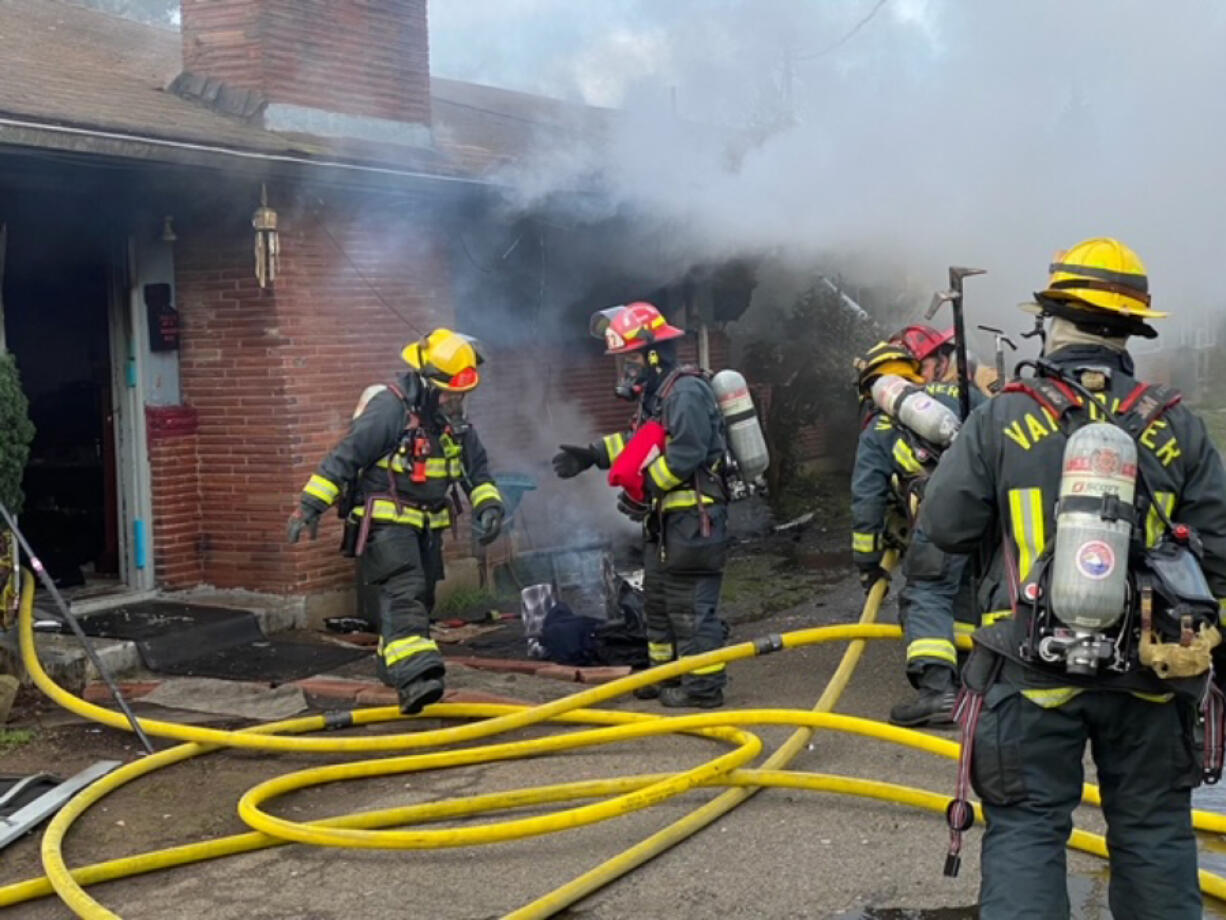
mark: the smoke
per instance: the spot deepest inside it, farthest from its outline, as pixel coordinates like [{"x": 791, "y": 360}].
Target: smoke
[
  {"x": 527, "y": 432},
  {"x": 898, "y": 136}
]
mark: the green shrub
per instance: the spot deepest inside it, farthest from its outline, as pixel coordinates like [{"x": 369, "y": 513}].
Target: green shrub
[{"x": 16, "y": 433}]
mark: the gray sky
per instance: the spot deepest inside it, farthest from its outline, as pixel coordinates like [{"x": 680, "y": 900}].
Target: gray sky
[{"x": 991, "y": 132}]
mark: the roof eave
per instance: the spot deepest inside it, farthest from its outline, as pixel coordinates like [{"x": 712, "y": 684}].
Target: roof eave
[{"x": 85, "y": 142}]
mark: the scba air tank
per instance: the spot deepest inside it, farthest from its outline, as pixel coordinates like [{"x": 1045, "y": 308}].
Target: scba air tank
[
  {"x": 1089, "y": 582},
  {"x": 929, "y": 418},
  {"x": 745, "y": 438}
]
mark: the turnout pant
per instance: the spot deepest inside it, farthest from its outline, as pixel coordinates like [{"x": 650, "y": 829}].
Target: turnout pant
[
  {"x": 681, "y": 593},
  {"x": 1027, "y": 770},
  {"x": 401, "y": 565},
  {"x": 935, "y": 603}
]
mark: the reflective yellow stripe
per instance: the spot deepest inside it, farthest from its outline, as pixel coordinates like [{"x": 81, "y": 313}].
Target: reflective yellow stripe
[
  {"x": 709, "y": 669},
  {"x": 614, "y": 444},
  {"x": 660, "y": 651},
  {"x": 963, "y": 629},
  {"x": 323, "y": 489},
  {"x": 1050, "y": 699},
  {"x": 401, "y": 649},
  {"x": 1154, "y": 528},
  {"x": 1154, "y": 697},
  {"x": 932, "y": 648},
  {"x": 1058, "y": 696},
  {"x": 662, "y": 476},
  {"x": 865, "y": 542},
  {"x": 1221, "y": 610},
  {"x": 384, "y": 510},
  {"x": 683, "y": 498},
  {"x": 455, "y": 469},
  {"x": 1026, "y": 516},
  {"x": 993, "y": 615},
  {"x": 905, "y": 457},
  {"x": 486, "y": 492},
  {"x": 436, "y": 467}
]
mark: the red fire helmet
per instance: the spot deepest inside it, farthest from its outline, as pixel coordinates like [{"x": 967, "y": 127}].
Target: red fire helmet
[
  {"x": 632, "y": 326},
  {"x": 922, "y": 341}
]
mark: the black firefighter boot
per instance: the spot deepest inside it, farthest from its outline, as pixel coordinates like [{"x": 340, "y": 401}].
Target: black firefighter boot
[
  {"x": 652, "y": 691},
  {"x": 679, "y": 697},
  {"x": 416, "y": 696},
  {"x": 935, "y": 703}
]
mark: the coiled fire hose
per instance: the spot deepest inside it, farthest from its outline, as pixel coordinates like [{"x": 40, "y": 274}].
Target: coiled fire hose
[{"x": 616, "y": 796}]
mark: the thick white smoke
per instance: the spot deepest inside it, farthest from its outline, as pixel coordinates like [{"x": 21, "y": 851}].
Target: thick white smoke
[{"x": 927, "y": 133}]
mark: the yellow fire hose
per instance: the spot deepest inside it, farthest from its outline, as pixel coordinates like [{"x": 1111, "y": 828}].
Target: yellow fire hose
[
  {"x": 394, "y": 828},
  {"x": 630, "y": 859}
]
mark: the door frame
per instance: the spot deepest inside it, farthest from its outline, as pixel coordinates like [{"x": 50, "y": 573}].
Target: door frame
[{"x": 129, "y": 344}]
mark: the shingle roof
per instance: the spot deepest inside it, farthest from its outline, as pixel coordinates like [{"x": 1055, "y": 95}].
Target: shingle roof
[{"x": 68, "y": 65}]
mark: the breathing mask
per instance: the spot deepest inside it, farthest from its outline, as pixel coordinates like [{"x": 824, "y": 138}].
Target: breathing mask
[{"x": 641, "y": 375}]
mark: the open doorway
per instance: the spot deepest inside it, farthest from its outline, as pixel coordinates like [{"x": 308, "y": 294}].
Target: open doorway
[{"x": 57, "y": 297}]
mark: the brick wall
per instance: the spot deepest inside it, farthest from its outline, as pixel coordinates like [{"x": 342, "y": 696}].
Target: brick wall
[
  {"x": 341, "y": 337},
  {"x": 357, "y": 57},
  {"x": 270, "y": 379},
  {"x": 231, "y": 377},
  {"x": 175, "y": 464},
  {"x": 273, "y": 376}
]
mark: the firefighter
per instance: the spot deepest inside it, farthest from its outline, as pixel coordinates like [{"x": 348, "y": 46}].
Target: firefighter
[
  {"x": 408, "y": 448},
  {"x": 887, "y": 481},
  {"x": 936, "y": 352},
  {"x": 999, "y": 487},
  {"x": 685, "y": 542}
]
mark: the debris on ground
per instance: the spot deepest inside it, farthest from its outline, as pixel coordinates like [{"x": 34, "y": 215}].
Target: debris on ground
[
  {"x": 797, "y": 522},
  {"x": 228, "y": 697}
]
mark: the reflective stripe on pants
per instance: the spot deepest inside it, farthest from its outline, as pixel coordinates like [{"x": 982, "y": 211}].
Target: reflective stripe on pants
[
  {"x": 402, "y": 565},
  {"x": 681, "y": 611}
]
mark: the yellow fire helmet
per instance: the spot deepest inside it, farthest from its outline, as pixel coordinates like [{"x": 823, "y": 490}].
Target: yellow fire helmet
[
  {"x": 882, "y": 359},
  {"x": 447, "y": 360},
  {"x": 1102, "y": 273}
]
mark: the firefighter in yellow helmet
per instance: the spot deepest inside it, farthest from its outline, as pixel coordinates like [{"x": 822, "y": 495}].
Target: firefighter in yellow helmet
[
  {"x": 891, "y": 467},
  {"x": 1089, "y": 642},
  {"x": 396, "y": 473}
]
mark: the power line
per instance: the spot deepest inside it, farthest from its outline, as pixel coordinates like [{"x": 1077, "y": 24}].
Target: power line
[
  {"x": 846, "y": 38},
  {"x": 366, "y": 281}
]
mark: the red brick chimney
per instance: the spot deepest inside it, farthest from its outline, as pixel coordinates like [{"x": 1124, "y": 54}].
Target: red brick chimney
[{"x": 344, "y": 68}]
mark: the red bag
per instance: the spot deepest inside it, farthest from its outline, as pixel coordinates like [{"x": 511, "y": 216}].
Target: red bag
[{"x": 628, "y": 469}]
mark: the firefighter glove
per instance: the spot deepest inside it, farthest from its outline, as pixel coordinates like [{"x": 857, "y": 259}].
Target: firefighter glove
[
  {"x": 572, "y": 460},
  {"x": 488, "y": 525},
  {"x": 305, "y": 518},
  {"x": 870, "y": 574},
  {"x": 635, "y": 510}
]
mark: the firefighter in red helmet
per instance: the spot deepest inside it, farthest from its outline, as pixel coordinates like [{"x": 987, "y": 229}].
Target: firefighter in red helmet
[
  {"x": 684, "y": 514},
  {"x": 934, "y": 350}
]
